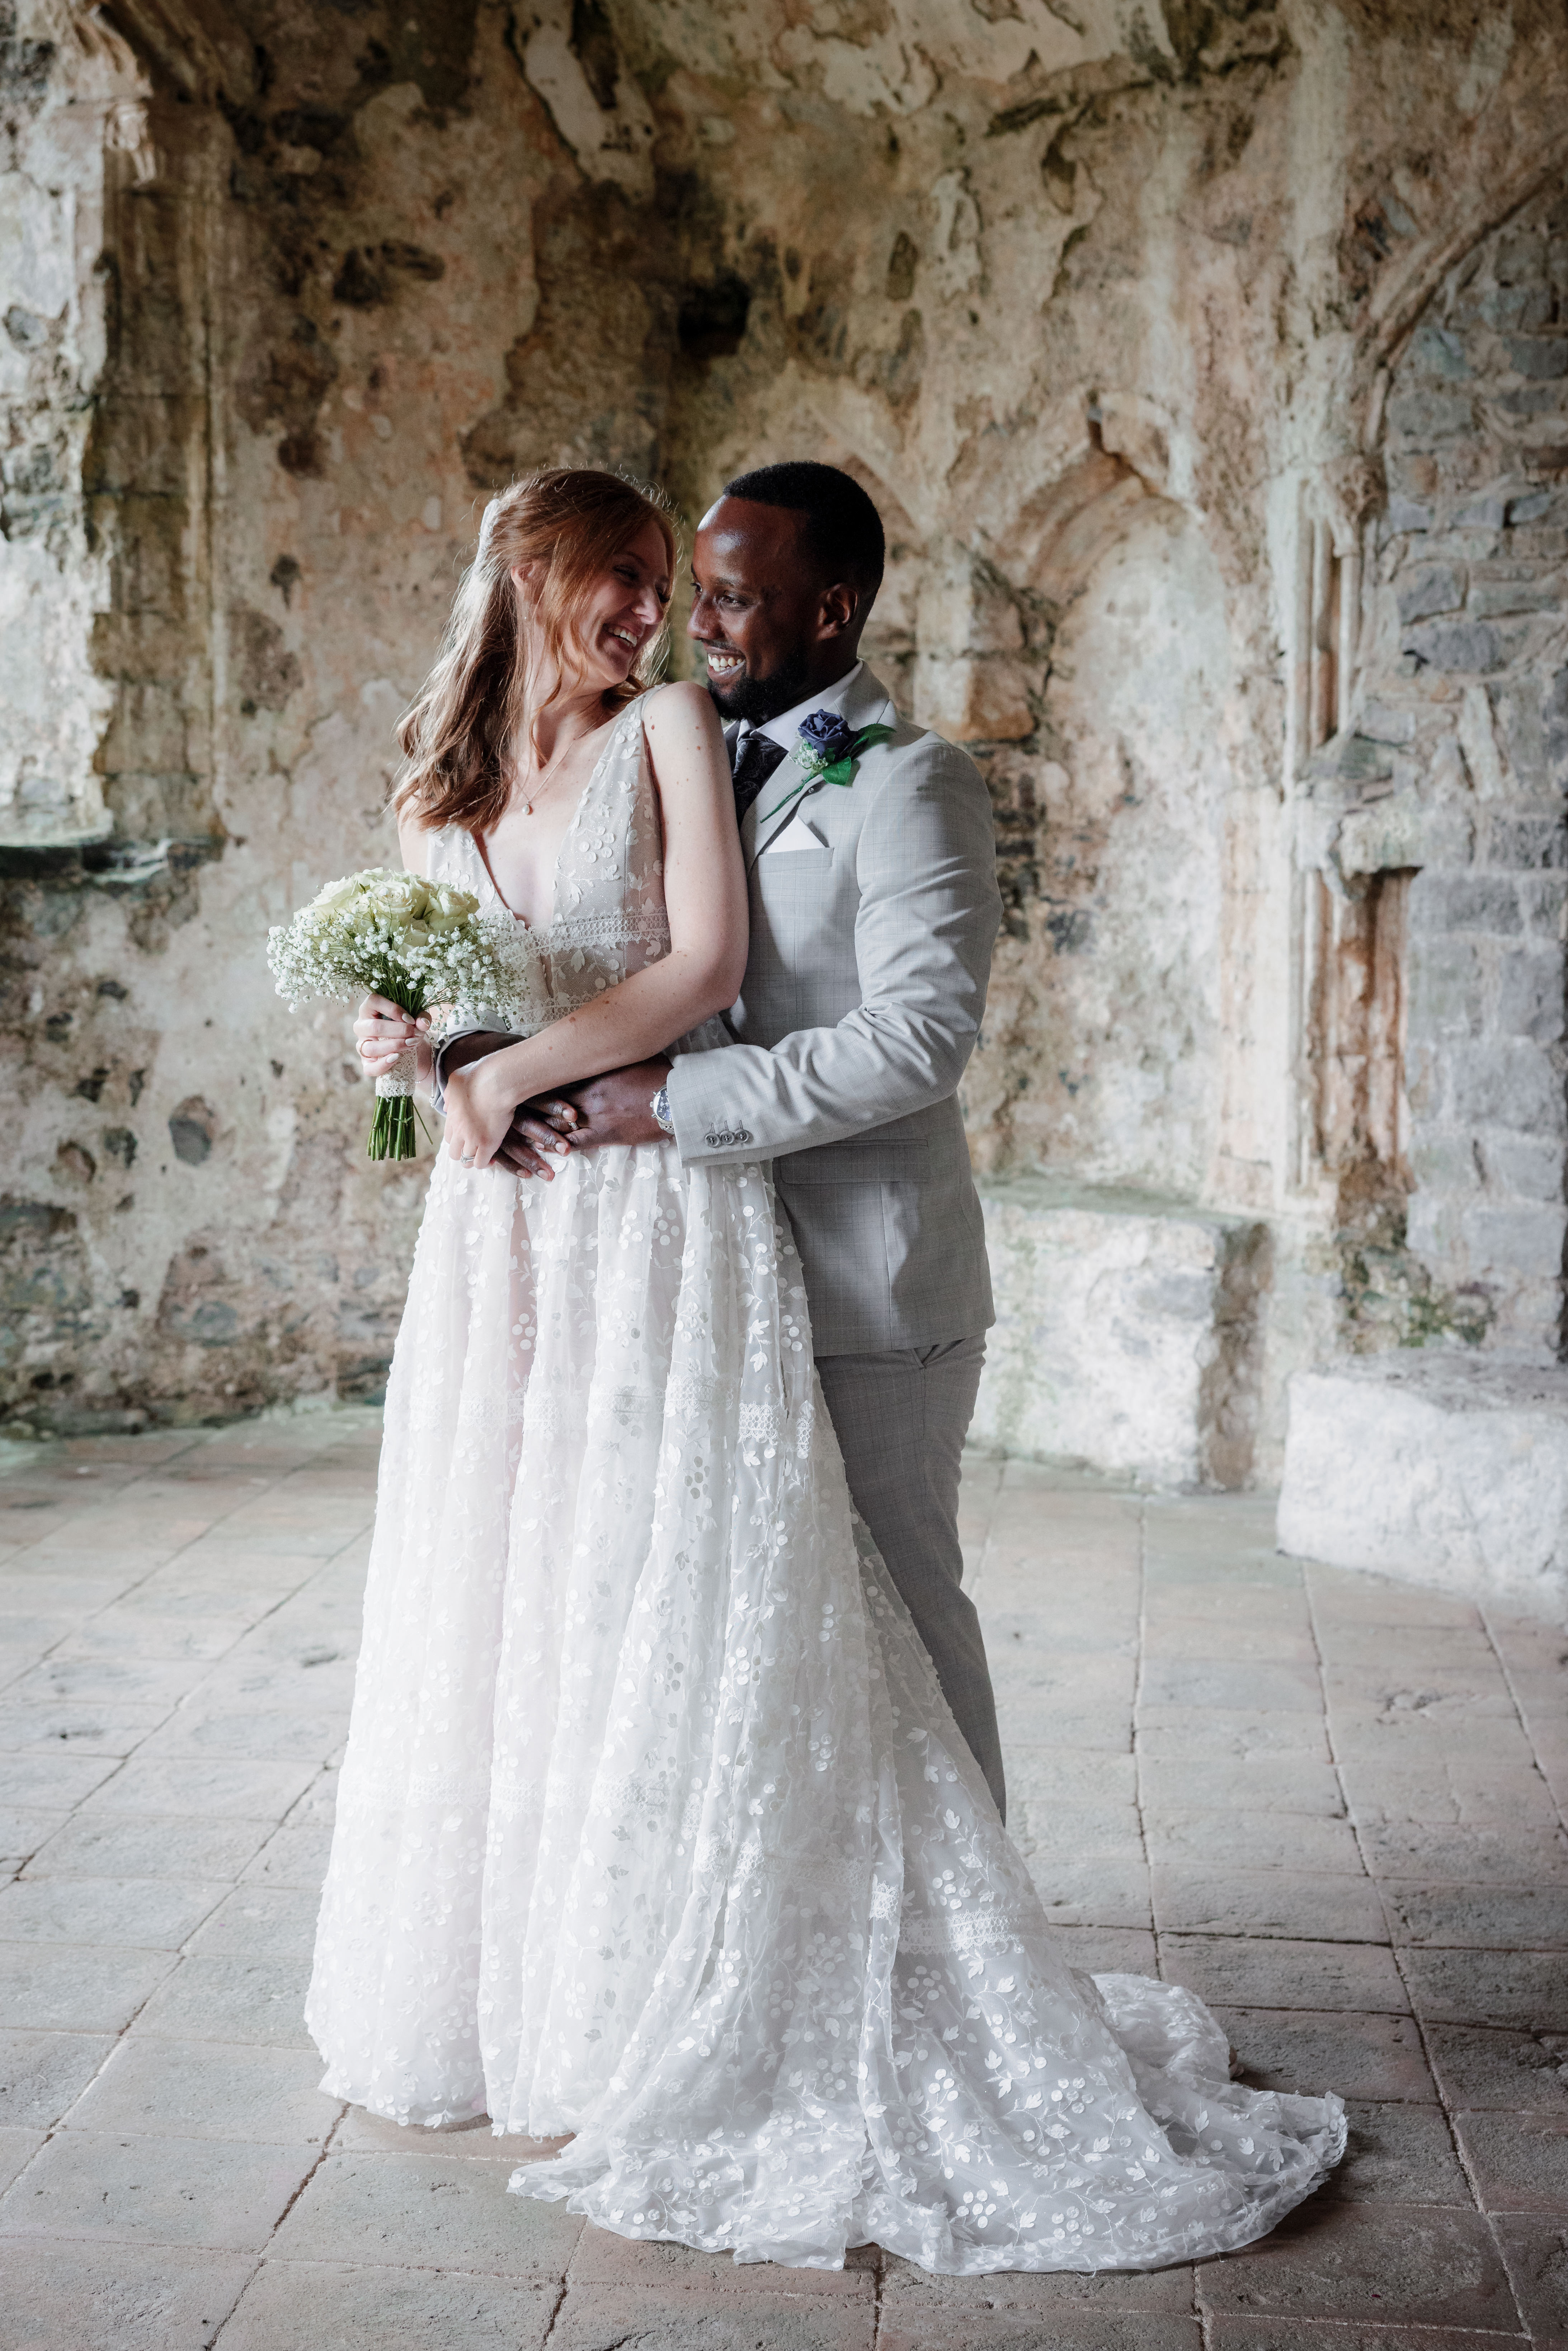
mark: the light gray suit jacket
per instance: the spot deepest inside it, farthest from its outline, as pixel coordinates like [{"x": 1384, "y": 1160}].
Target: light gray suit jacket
[{"x": 874, "y": 908}]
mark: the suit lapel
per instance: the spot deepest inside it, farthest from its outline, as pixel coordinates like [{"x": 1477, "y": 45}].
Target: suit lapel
[
  {"x": 765, "y": 831},
  {"x": 867, "y": 704}
]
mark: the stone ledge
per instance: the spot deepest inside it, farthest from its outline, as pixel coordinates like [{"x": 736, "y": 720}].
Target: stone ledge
[
  {"x": 1441, "y": 1469},
  {"x": 1126, "y": 1333}
]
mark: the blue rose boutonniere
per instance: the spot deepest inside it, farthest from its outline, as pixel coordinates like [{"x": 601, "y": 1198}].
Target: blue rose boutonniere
[{"x": 826, "y": 752}]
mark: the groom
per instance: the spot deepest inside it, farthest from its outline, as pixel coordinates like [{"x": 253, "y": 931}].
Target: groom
[{"x": 873, "y": 910}]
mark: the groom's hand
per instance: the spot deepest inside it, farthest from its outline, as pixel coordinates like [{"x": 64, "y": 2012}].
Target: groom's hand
[
  {"x": 541, "y": 1134},
  {"x": 617, "y": 1107}
]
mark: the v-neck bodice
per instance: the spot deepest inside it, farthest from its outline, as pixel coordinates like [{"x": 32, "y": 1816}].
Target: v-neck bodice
[{"x": 609, "y": 917}]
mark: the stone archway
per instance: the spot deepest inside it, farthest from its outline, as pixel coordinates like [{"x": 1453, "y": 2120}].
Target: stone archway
[
  {"x": 1101, "y": 1058},
  {"x": 1131, "y": 1306}
]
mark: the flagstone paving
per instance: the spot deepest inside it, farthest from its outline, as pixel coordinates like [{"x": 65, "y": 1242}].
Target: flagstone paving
[{"x": 1332, "y": 1804}]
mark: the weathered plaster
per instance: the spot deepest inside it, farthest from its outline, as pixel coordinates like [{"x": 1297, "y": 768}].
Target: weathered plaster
[{"x": 1113, "y": 308}]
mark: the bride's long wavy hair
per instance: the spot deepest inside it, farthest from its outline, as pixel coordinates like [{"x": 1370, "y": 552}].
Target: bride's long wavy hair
[{"x": 484, "y": 691}]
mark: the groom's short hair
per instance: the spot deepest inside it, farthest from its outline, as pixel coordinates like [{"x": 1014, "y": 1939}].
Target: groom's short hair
[{"x": 843, "y": 527}]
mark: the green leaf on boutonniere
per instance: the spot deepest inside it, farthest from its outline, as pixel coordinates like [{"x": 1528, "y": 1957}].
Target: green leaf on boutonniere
[{"x": 816, "y": 770}]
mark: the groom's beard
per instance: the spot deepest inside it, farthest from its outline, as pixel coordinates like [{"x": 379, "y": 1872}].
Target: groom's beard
[{"x": 760, "y": 699}]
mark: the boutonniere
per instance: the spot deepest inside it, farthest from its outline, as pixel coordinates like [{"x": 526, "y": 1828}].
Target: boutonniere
[{"x": 826, "y": 752}]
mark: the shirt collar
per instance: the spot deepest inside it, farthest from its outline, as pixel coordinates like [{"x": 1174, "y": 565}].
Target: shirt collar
[{"x": 785, "y": 730}]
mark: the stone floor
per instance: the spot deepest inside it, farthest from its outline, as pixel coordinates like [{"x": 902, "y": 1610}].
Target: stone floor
[{"x": 1331, "y": 1805}]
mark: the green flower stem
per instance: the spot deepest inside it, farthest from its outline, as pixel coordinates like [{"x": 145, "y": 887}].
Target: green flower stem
[
  {"x": 393, "y": 1129},
  {"x": 395, "y": 1124}
]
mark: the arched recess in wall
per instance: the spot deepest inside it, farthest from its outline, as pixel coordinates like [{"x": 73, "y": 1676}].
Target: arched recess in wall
[
  {"x": 106, "y": 752},
  {"x": 1102, "y": 1057}
]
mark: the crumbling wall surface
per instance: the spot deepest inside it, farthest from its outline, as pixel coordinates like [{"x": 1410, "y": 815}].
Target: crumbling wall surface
[
  {"x": 1459, "y": 768},
  {"x": 1100, "y": 302},
  {"x": 54, "y": 318},
  {"x": 1224, "y": 234},
  {"x": 259, "y": 572}
]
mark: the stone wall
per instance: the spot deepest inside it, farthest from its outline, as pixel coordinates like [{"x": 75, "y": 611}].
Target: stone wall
[
  {"x": 1450, "y": 788},
  {"x": 1205, "y": 363}
]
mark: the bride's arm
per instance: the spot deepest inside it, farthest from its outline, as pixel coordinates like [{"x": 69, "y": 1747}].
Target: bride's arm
[{"x": 705, "y": 896}]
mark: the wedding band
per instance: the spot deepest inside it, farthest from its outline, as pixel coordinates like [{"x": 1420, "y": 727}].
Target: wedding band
[{"x": 469, "y": 1157}]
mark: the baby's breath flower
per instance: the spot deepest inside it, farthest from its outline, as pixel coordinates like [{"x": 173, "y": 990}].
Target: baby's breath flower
[{"x": 384, "y": 934}]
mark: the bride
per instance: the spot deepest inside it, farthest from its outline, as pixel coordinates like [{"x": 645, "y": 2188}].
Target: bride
[{"x": 654, "y": 1826}]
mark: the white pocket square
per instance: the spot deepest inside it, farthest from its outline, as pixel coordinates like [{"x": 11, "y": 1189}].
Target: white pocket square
[{"x": 798, "y": 833}]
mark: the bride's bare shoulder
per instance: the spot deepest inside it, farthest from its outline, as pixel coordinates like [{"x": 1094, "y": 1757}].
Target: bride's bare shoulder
[
  {"x": 414, "y": 838},
  {"x": 685, "y": 743},
  {"x": 682, "y": 701}
]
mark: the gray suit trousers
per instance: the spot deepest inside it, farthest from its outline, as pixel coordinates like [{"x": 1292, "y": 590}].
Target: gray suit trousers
[{"x": 901, "y": 1418}]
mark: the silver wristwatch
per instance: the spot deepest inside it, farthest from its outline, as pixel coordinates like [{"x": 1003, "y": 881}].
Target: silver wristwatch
[{"x": 660, "y": 1106}]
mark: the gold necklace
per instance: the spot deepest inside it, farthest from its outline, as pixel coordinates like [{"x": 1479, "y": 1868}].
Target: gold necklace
[{"x": 548, "y": 770}]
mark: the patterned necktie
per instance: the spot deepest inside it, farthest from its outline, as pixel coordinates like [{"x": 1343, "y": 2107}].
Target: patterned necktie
[{"x": 760, "y": 755}]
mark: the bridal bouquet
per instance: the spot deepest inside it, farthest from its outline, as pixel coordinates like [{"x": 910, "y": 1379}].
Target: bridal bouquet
[{"x": 386, "y": 933}]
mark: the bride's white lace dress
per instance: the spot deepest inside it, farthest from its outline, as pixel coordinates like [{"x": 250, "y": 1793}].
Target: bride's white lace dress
[{"x": 654, "y": 1826}]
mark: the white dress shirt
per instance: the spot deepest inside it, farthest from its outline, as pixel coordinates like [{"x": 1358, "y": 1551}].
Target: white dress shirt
[{"x": 785, "y": 730}]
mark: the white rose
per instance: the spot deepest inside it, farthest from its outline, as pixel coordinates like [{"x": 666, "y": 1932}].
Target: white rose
[
  {"x": 403, "y": 896},
  {"x": 448, "y": 907},
  {"x": 337, "y": 897}
]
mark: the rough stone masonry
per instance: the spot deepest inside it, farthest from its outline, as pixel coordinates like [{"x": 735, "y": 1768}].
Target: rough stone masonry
[{"x": 1210, "y": 361}]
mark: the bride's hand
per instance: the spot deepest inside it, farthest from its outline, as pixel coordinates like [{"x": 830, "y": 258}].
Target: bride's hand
[
  {"x": 479, "y": 1112},
  {"x": 383, "y": 1031}
]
